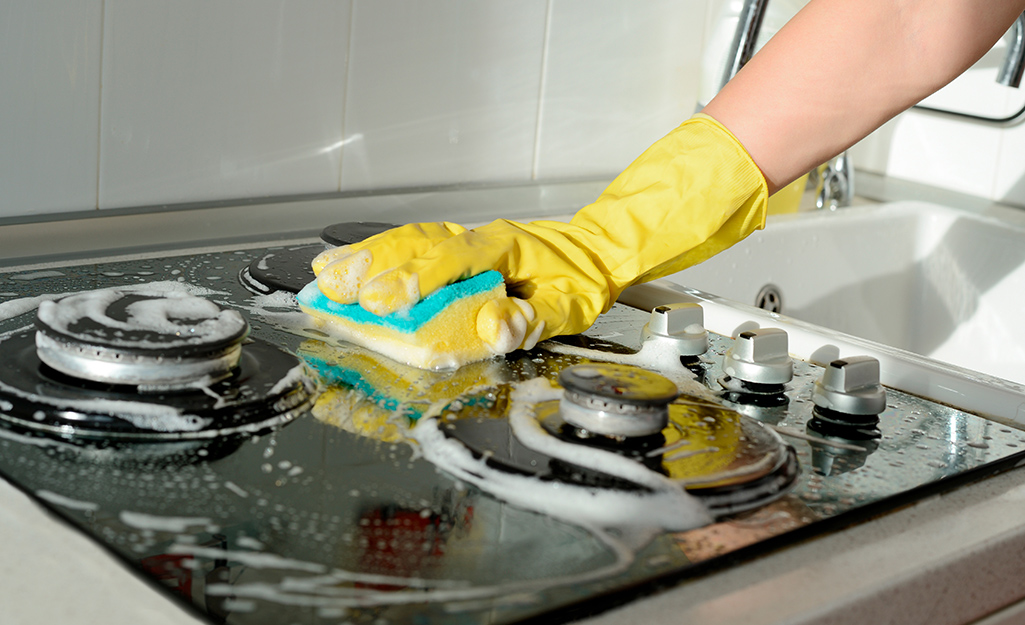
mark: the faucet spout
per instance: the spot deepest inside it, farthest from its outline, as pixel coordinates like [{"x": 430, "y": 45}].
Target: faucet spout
[
  {"x": 1014, "y": 63},
  {"x": 745, "y": 38}
]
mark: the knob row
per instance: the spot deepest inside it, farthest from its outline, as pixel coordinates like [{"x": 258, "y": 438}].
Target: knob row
[{"x": 761, "y": 357}]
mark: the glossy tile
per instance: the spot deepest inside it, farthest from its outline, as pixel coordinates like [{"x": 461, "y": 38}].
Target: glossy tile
[
  {"x": 442, "y": 92},
  {"x": 233, "y": 99},
  {"x": 1009, "y": 185},
  {"x": 620, "y": 74},
  {"x": 49, "y": 105},
  {"x": 944, "y": 152}
]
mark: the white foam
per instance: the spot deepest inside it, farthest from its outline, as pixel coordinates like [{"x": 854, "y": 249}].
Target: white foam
[
  {"x": 36, "y": 275},
  {"x": 175, "y": 313},
  {"x": 15, "y": 307},
  {"x": 235, "y": 488},
  {"x": 294, "y": 375},
  {"x": 67, "y": 502},
  {"x": 667, "y": 506},
  {"x": 683, "y": 378},
  {"x": 154, "y": 417},
  {"x": 145, "y": 521},
  {"x": 332, "y": 588}
]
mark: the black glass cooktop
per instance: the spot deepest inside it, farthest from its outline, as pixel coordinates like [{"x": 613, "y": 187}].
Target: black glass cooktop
[{"x": 335, "y": 516}]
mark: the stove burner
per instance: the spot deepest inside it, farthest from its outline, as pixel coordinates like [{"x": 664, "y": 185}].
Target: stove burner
[
  {"x": 139, "y": 337},
  {"x": 266, "y": 389},
  {"x": 349, "y": 232},
  {"x": 731, "y": 462},
  {"x": 615, "y": 400},
  {"x": 290, "y": 269},
  {"x": 281, "y": 270}
]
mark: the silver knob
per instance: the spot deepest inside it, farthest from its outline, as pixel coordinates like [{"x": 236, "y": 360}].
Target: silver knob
[
  {"x": 679, "y": 327},
  {"x": 851, "y": 386},
  {"x": 761, "y": 356}
]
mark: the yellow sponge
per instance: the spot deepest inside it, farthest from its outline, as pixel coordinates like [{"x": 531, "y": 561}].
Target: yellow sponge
[{"x": 439, "y": 332}]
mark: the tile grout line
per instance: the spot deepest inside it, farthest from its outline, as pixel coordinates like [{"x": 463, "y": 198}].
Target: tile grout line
[
  {"x": 534, "y": 169},
  {"x": 345, "y": 96},
  {"x": 99, "y": 107}
]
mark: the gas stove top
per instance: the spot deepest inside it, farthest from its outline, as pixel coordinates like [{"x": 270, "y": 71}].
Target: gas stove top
[{"x": 355, "y": 489}]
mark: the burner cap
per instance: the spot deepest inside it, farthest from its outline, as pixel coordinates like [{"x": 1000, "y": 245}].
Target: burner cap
[
  {"x": 281, "y": 270},
  {"x": 349, "y": 232},
  {"x": 615, "y": 400},
  {"x": 139, "y": 337},
  {"x": 729, "y": 461}
]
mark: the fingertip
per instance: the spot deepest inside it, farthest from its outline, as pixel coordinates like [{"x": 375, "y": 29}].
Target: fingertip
[
  {"x": 342, "y": 279},
  {"x": 390, "y": 292},
  {"x": 505, "y": 324},
  {"x": 327, "y": 257}
]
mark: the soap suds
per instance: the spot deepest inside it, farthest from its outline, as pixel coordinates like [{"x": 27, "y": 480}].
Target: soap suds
[
  {"x": 177, "y": 525},
  {"x": 67, "y": 502},
  {"x": 181, "y": 317},
  {"x": 667, "y": 505}
]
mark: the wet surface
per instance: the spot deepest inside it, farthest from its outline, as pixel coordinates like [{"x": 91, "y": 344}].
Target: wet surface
[{"x": 337, "y": 516}]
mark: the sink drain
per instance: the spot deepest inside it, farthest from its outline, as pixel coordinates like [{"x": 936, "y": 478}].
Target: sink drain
[{"x": 770, "y": 298}]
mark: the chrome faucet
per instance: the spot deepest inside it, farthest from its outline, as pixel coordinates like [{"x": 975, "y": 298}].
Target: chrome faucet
[
  {"x": 745, "y": 38},
  {"x": 834, "y": 183},
  {"x": 1014, "y": 62}
]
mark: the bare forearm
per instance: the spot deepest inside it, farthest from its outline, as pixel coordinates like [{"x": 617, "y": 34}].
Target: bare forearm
[{"x": 840, "y": 69}]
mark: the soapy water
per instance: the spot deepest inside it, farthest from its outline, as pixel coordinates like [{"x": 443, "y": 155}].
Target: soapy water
[
  {"x": 170, "y": 317},
  {"x": 664, "y": 505},
  {"x": 177, "y": 301},
  {"x": 17, "y": 307},
  {"x": 332, "y": 587}
]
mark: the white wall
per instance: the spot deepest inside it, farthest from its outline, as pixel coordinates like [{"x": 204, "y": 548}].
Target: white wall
[{"x": 124, "y": 103}]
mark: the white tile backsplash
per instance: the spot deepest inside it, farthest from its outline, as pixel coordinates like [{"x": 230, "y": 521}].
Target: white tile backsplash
[
  {"x": 610, "y": 88},
  {"x": 209, "y": 100},
  {"x": 1009, "y": 185},
  {"x": 942, "y": 151},
  {"x": 442, "y": 92},
  {"x": 235, "y": 99},
  {"x": 49, "y": 105}
]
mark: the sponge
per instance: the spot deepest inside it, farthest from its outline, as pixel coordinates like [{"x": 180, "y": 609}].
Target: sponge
[{"x": 438, "y": 332}]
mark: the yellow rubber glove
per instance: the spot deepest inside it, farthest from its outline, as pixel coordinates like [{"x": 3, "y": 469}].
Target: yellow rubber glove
[{"x": 692, "y": 194}]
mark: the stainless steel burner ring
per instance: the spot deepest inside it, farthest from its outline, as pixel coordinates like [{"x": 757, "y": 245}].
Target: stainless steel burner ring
[
  {"x": 615, "y": 400},
  {"x": 157, "y": 339}
]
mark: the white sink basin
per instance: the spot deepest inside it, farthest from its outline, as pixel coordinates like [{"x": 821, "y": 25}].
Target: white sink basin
[{"x": 939, "y": 282}]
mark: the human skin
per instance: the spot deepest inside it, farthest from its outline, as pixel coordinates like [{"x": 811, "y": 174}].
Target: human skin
[{"x": 841, "y": 68}]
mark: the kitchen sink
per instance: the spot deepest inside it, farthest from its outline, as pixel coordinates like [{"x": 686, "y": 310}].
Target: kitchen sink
[{"x": 943, "y": 283}]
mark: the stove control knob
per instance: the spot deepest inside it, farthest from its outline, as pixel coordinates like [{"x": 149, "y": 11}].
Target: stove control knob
[
  {"x": 851, "y": 386},
  {"x": 679, "y": 327},
  {"x": 760, "y": 356}
]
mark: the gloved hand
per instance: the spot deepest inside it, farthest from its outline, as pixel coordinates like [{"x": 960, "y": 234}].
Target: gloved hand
[{"x": 692, "y": 194}]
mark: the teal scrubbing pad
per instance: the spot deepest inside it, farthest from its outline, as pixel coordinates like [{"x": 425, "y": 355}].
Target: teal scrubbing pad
[{"x": 438, "y": 332}]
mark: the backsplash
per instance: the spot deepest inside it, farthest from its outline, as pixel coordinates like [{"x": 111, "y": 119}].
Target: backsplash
[
  {"x": 134, "y": 103},
  {"x": 126, "y": 103}
]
